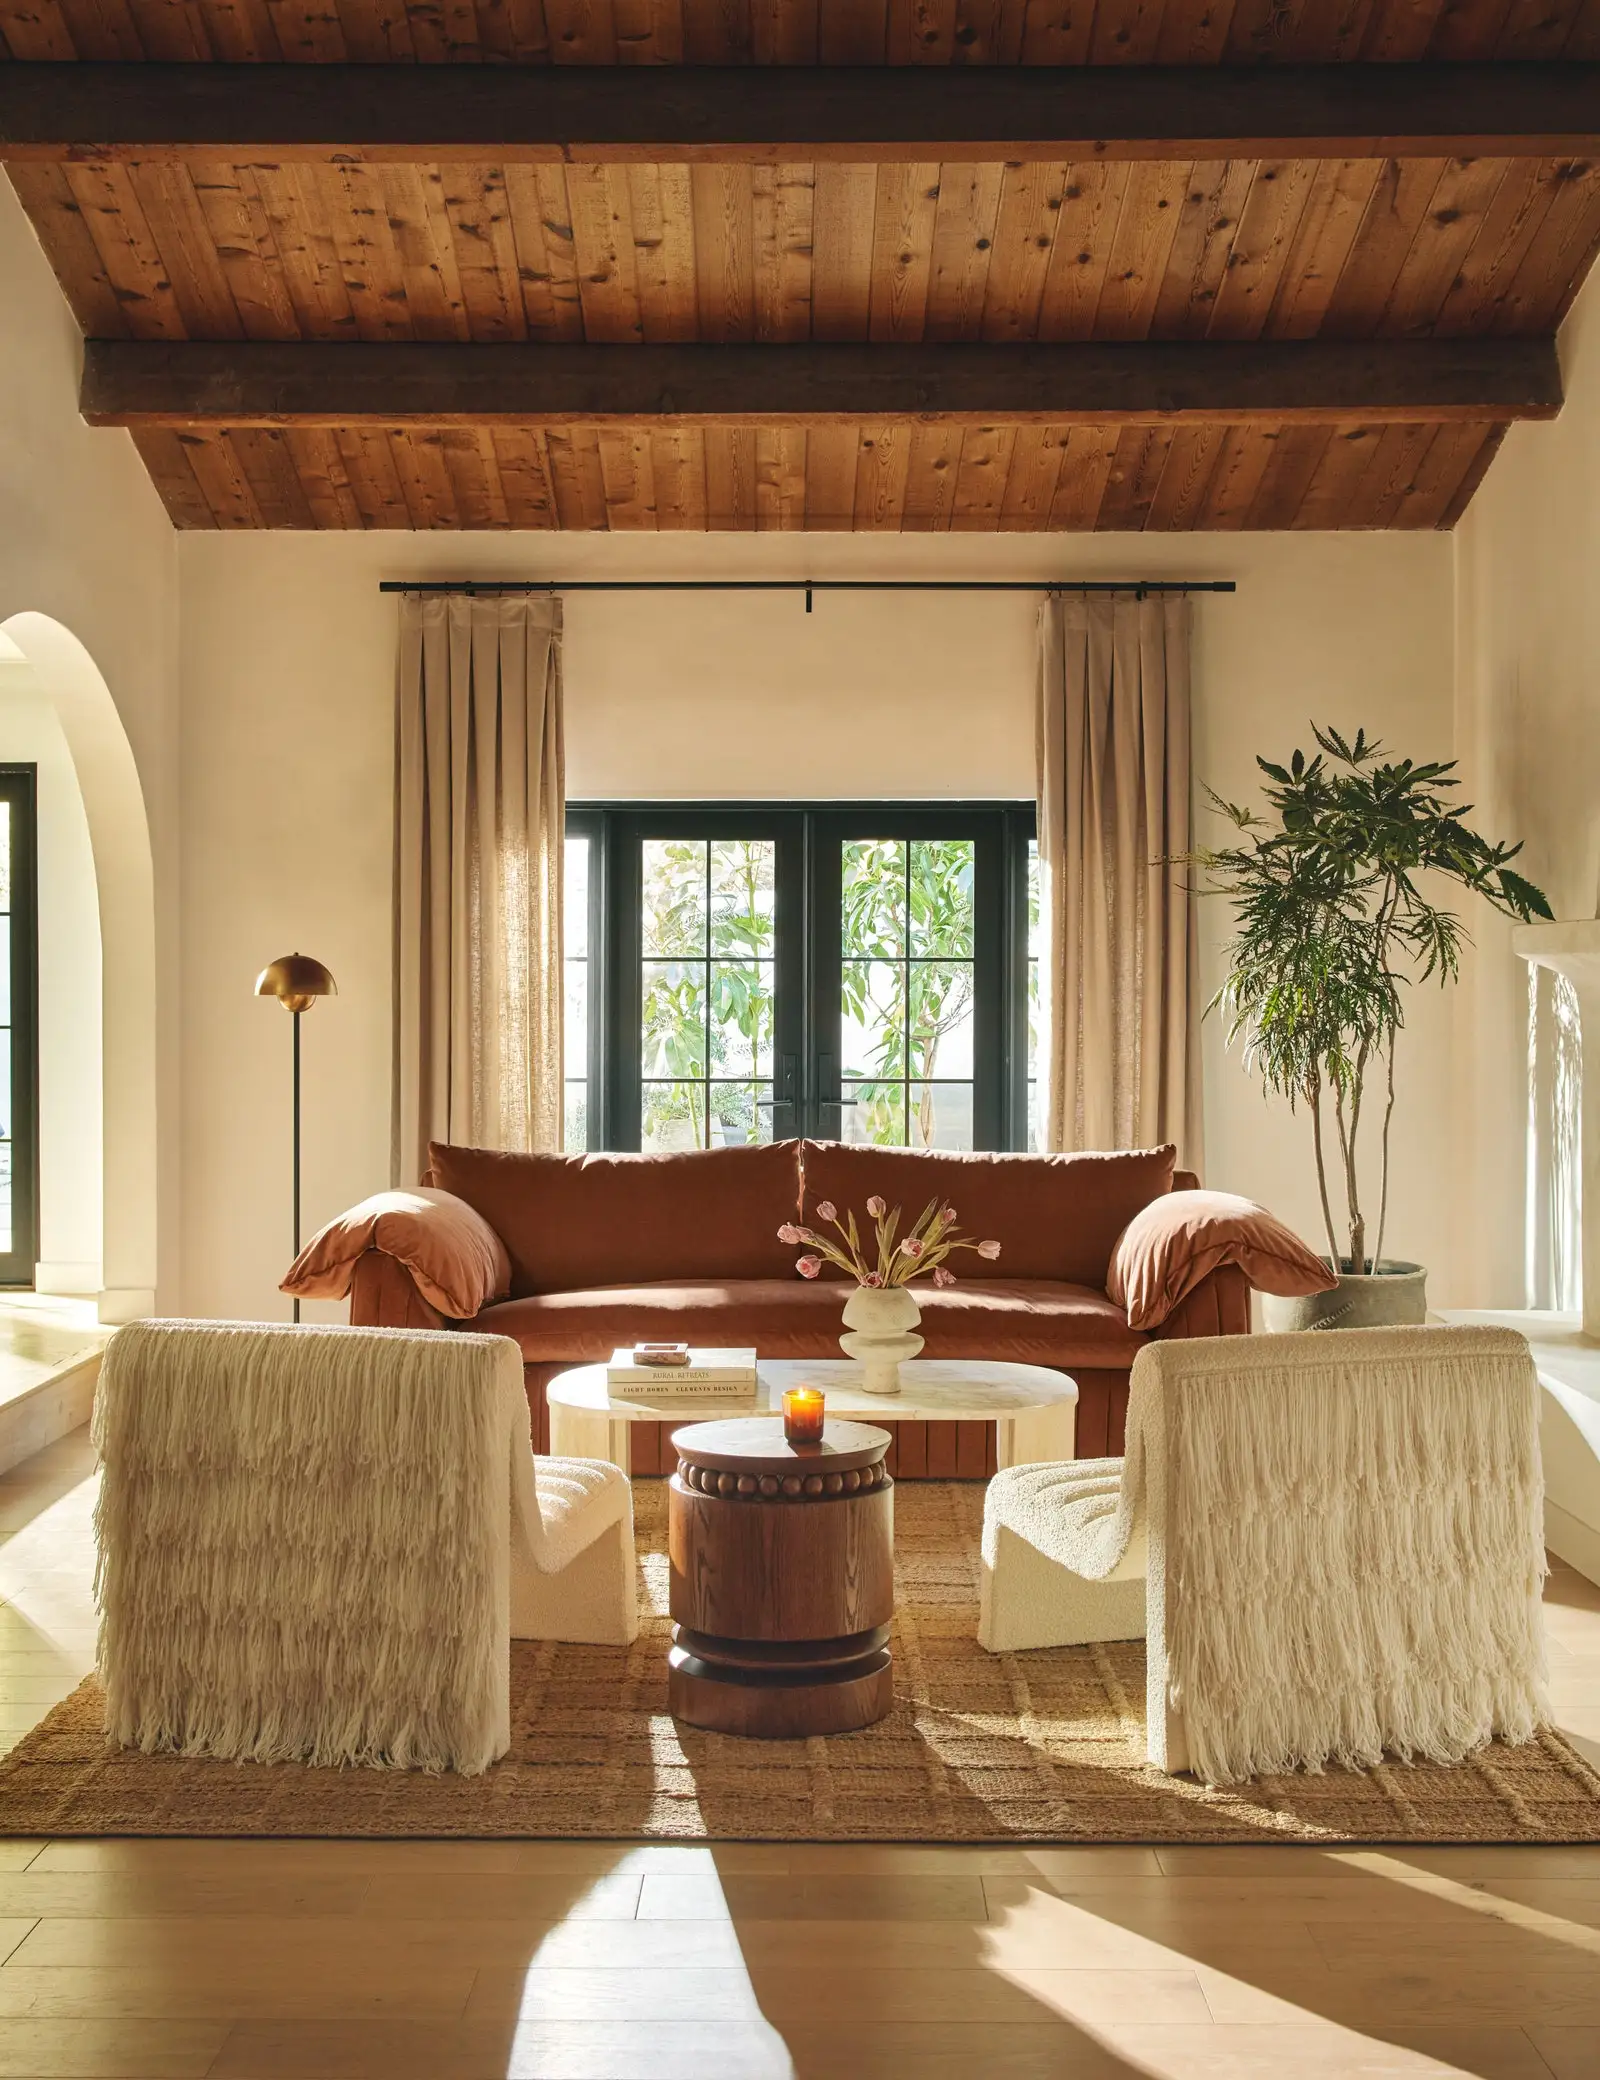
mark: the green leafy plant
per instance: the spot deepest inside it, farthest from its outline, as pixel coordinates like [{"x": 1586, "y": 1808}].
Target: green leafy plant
[
  {"x": 707, "y": 999},
  {"x": 886, "y": 888},
  {"x": 1333, "y": 919}
]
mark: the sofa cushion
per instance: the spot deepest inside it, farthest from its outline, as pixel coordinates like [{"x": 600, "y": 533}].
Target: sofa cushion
[
  {"x": 1171, "y": 1245},
  {"x": 1027, "y": 1322},
  {"x": 455, "y": 1257},
  {"x": 572, "y": 1222},
  {"x": 1054, "y": 1217}
]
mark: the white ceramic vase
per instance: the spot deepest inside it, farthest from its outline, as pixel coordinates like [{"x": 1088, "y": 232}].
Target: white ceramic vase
[{"x": 881, "y": 1320}]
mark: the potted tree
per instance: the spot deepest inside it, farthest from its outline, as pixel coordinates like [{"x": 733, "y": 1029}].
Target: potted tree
[{"x": 1334, "y": 914}]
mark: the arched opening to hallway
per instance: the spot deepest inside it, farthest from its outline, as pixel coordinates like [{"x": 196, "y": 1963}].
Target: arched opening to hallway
[{"x": 98, "y": 984}]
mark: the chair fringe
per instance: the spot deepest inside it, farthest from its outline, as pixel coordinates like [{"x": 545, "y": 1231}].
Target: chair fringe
[{"x": 296, "y": 1530}]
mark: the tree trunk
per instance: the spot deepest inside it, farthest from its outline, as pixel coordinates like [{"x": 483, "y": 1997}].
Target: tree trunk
[
  {"x": 1352, "y": 1190},
  {"x": 1322, "y": 1177},
  {"x": 1383, "y": 1163}
]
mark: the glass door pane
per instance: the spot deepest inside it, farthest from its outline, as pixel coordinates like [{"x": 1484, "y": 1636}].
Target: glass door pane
[
  {"x": 907, "y": 991},
  {"x": 707, "y": 953},
  {"x": 575, "y": 1019}
]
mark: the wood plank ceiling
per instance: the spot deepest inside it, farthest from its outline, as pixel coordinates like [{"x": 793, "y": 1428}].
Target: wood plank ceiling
[
  {"x": 802, "y": 32},
  {"x": 243, "y": 249}
]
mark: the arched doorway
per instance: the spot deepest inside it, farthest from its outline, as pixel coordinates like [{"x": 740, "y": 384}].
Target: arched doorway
[{"x": 119, "y": 837}]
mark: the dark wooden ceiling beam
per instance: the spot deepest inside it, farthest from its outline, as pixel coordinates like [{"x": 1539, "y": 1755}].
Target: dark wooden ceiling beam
[
  {"x": 695, "y": 113},
  {"x": 162, "y": 383}
]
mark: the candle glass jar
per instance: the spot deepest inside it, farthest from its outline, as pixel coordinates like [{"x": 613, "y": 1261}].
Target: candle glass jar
[{"x": 802, "y": 1415}]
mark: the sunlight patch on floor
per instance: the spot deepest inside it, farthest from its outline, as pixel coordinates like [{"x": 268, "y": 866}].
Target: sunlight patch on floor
[
  {"x": 706, "y": 1983},
  {"x": 1071, "y": 1958},
  {"x": 41, "y": 1335}
]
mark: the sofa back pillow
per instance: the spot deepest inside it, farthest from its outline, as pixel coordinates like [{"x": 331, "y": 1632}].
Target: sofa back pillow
[
  {"x": 1174, "y": 1243},
  {"x": 1053, "y": 1216},
  {"x": 455, "y": 1258},
  {"x": 615, "y": 1220}
]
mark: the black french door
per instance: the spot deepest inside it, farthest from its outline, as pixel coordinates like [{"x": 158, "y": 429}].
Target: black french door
[
  {"x": 19, "y": 1051},
  {"x": 848, "y": 971}
]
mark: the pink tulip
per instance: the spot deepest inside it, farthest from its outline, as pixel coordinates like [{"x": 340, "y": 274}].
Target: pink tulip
[
  {"x": 947, "y": 1215},
  {"x": 911, "y": 1246},
  {"x": 989, "y": 1249},
  {"x": 826, "y": 1210},
  {"x": 790, "y": 1233},
  {"x": 941, "y": 1277},
  {"x": 871, "y": 1278},
  {"x": 876, "y": 1207},
  {"x": 808, "y": 1267}
]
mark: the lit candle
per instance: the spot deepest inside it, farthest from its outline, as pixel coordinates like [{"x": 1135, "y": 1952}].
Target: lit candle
[{"x": 802, "y": 1415}]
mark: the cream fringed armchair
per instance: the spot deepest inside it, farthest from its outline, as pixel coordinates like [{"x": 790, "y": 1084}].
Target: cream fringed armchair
[
  {"x": 1332, "y": 1542},
  {"x": 317, "y": 1544}
]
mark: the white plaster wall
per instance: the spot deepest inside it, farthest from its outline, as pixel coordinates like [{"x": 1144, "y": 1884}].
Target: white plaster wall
[
  {"x": 1528, "y": 694},
  {"x": 70, "y": 1202},
  {"x": 288, "y": 673},
  {"x": 84, "y": 541}
]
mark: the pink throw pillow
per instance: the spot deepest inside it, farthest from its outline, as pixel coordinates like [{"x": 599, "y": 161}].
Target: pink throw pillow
[
  {"x": 458, "y": 1261},
  {"x": 1176, "y": 1241}
]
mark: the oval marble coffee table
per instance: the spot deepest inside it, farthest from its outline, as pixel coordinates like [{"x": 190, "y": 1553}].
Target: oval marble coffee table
[
  {"x": 782, "y": 1579},
  {"x": 1033, "y": 1408}
]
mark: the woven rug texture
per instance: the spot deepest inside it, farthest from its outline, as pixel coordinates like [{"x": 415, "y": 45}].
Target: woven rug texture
[{"x": 1045, "y": 1746}]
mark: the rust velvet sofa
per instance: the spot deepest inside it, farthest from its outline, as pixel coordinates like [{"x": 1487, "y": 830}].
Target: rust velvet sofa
[{"x": 607, "y": 1249}]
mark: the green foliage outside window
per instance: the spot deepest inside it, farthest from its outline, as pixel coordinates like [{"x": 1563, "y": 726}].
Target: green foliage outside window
[
  {"x": 708, "y": 991},
  {"x": 905, "y": 906}
]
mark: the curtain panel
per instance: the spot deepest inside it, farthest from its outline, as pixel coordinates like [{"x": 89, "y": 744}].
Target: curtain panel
[
  {"x": 479, "y": 830},
  {"x": 1123, "y": 1059}
]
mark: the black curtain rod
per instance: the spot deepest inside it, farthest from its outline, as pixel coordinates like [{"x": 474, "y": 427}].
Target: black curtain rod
[{"x": 809, "y": 585}]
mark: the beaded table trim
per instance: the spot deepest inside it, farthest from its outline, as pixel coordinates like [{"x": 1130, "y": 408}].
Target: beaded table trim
[{"x": 781, "y": 1487}]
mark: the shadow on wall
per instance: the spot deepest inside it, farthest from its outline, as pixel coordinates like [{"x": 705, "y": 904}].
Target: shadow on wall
[{"x": 119, "y": 836}]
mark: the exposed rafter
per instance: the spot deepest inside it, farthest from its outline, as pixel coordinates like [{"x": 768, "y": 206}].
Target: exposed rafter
[
  {"x": 1310, "y": 382},
  {"x": 882, "y": 114}
]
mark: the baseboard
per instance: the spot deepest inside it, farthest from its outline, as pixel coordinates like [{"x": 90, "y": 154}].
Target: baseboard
[
  {"x": 54, "y": 1408},
  {"x": 126, "y": 1304},
  {"x": 70, "y": 1281},
  {"x": 1570, "y": 1539}
]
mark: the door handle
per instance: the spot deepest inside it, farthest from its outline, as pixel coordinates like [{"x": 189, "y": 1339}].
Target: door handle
[{"x": 828, "y": 1078}]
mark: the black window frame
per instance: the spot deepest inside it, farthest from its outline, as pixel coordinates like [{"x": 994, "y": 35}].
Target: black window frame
[
  {"x": 808, "y": 836},
  {"x": 19, "y": 786}
]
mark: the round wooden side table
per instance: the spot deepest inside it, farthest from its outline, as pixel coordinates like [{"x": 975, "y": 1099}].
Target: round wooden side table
[{"x": 782, "y": 1579}]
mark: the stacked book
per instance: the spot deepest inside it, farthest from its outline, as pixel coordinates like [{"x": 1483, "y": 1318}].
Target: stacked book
[{"x": 677, "y": 1373}]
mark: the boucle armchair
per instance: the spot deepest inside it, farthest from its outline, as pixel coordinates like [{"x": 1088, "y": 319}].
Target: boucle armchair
[
  {"x": 1333, "y": 1544},
  {"x": 316, "y": 1544}
]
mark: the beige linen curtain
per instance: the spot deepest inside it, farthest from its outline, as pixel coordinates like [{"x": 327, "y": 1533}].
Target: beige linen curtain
[
  {"x": 479, "y": 836},
  {"x": 1122, "y": 1064}
]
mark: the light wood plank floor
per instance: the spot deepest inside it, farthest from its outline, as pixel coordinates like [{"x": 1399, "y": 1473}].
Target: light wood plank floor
[{"x": 596, "y": 1961}]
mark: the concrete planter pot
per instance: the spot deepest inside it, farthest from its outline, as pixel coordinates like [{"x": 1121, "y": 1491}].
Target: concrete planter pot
[{"x": 1395, "y": 1296}]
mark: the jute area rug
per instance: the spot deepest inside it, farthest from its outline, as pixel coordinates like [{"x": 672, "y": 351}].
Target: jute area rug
[{"x": 1039, "y": 1747}]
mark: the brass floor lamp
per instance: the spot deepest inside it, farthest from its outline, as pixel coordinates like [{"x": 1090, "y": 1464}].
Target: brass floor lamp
[{"x": 296, "y": 980}]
